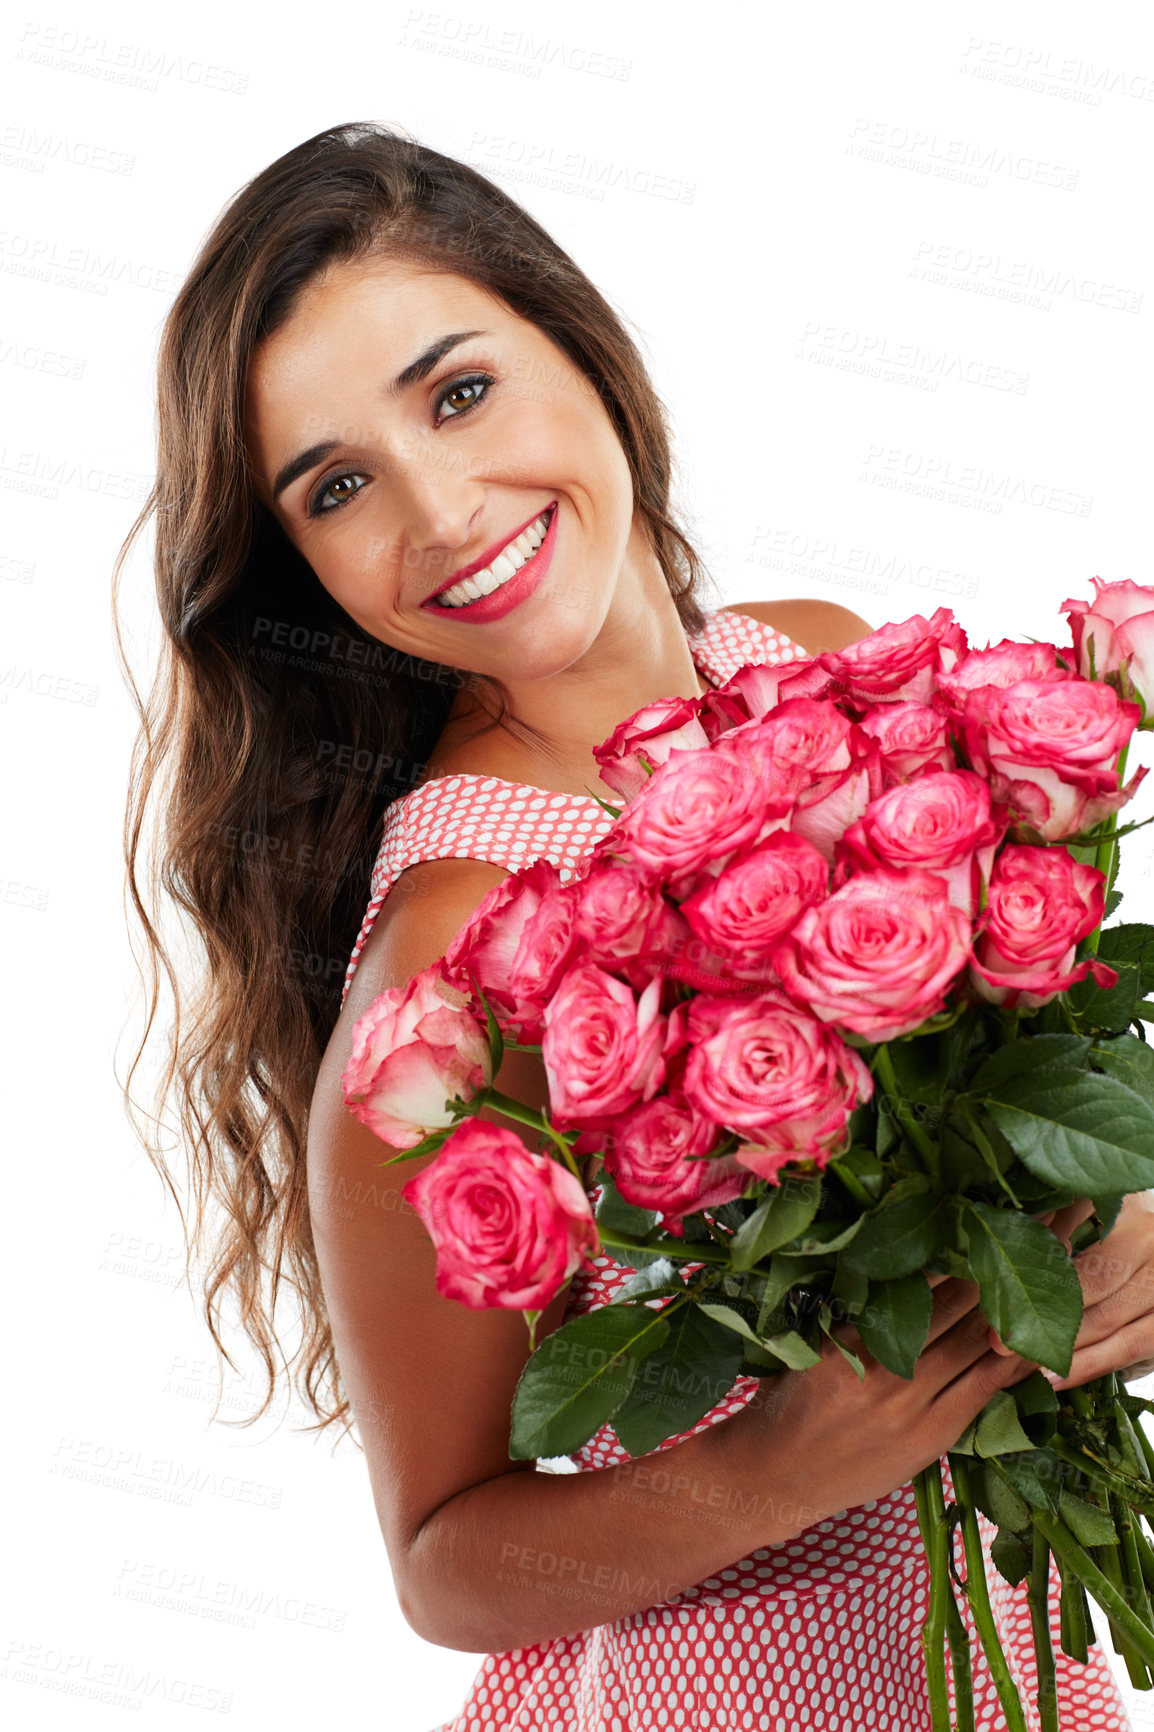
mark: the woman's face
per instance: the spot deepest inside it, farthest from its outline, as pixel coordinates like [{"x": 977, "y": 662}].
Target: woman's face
[{"x": 404, "y": 427}]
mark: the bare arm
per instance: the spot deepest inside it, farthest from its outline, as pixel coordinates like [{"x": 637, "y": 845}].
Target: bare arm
[{"x": 487, "y": 1554}]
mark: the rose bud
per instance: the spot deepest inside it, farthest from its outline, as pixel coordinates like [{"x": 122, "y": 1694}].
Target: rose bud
[
  {"x": 641, "y": 742},
  {"x": 413, "y": 1051},
  {"x": 1049, "y": 750},
  {"x": 1115, "y": 634},
  {"x": 899, "y": 662}
]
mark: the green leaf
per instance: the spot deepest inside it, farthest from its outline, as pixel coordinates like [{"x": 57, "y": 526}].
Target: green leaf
[
  {"x": 784, "y": 1273},
  {"x": 1011, "y": 1556},
  {"x": 1037, "y": 1404},
  {"x": 999, "y": 1428},
  {"x": 998, "y": 1500},
  {"x": 896, "y": 1322},
  {"x": 1039, "y": 1052},
  {"x": 1130, "y": 1060},
  {"x": 1037, "y": 1477},
  {"x": 660, "y": 1277},
  {"x": 1107, "y": 1007},
  {"x": 849, "y": 1290},
  {"x": 496, "y": 1039},
  {"x": 726, "y": 1316},
  {"x": 864, "y": 1165},
  {"x": 1130, "y": 943},
  {"x": 579, "y": 1376},
  {"x": 617, "y": 1216},
  {"x": 789, "y": 1208},
  {"x": 693, "y": 1370},
  {"x": 1106, "y": 1209},
  {"x": 822, "y": 1237},
  {"x": 1086, "y": 1133},
  {"x": 1089, "y": 1523},
  {"x": 793, "y": 1350},
  {"x": 847, "y": 1353},
  {"x": 1029, "y": 1288},
  {"x": 1112, "y": 904},
  {"x": 897, "y": 1238}
]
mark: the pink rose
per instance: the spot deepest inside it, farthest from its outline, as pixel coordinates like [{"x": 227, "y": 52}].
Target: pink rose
[
  {"x": 718, "y": 711},
  {"x": 412, "y": 1052},
  {"x": 911, "y": 739},
  {"x": 623, "y": 922},
  {"x": 647, "y": 739},
  {"x": 775, "y": 1075},
  {"x": 544, "y": 952},
  {"x": 1049, "y": 749},
  {"x": 879, "y": 955},
  {"x": 486, "y": 946},
  {"x": 899, "y": 661},
  {"x": 648, "y": 1155},
  {"x": 741, "y": 913},
  {"x": 694, "y": 811},
  {"x": 510, "y": 1227},
  {"x": 603, "y": 1047},
  {"x": 1115, "y": 632},
  {"x": 941, "y": 821},
  {"x": 808, "y": 749},
  {"x": 1003, "y": 665},
  {"x": 759, "y": 688},
  {"x": 1041, "y": 902}
]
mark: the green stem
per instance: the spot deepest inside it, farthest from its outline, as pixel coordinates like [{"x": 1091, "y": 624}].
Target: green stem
[
  {"x": 852, "y": 1184},
  {"x": 932, "y": 1521},
  {"x": 1039, "y": 1598},
  {"x": 1104, "y": 853},
  {"x": 959, "y": 1640},
  {"x": 884, "y": 1065},
  {"x": 978, "y": 1594},
  {"x": 514, "y": 1109},
  {"x": 688, "y": 1252},
  {"x": 1075, "y": 1615},
  {"x": 1112, "y": 1602},
  {"x": 1133, "y": 1585},
  {"x": 1103, "y": 1475}
]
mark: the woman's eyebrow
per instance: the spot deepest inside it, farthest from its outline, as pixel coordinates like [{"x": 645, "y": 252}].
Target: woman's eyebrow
[{"x": 410, "y": 375}]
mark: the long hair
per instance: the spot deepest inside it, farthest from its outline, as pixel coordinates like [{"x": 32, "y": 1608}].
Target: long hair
[{"x": 276, "y": 731}]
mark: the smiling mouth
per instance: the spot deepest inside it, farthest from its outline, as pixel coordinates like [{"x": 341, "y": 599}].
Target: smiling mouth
[{"x": 515, "y": 553}]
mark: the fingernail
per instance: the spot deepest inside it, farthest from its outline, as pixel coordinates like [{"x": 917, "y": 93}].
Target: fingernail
[{"x": 1053, "y": 1378}]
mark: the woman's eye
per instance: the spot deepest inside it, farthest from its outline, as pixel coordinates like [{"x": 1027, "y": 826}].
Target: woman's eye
[
  {"x": 333, "y": 488},
  {"x": 464, "y": 394}
]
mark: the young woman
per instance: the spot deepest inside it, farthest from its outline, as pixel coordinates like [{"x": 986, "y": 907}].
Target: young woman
[{"x": 415, "y": 560}]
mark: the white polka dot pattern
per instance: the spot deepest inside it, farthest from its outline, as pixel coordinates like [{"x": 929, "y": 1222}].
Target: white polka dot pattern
[{"x": 823, "y": 1632}]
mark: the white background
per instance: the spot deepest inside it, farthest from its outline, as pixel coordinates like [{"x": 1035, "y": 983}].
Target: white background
[{"x": 892, "y": 270}]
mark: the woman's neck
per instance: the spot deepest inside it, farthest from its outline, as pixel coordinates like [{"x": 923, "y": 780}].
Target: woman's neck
[{"x": 641, "y": 654}]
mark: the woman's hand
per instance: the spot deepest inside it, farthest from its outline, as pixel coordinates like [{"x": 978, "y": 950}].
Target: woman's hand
[{"x": 1117, "y": 1276}]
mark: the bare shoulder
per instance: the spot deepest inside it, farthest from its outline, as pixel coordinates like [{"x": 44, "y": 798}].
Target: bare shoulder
[
  {"x": 815, "y": 625},
  {"x": 425, "y": 1439}
]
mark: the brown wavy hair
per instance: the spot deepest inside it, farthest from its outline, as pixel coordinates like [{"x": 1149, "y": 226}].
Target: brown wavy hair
[{"x": 270, "y": 769}]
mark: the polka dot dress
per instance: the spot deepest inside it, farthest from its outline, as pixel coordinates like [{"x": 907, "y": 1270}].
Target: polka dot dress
[{"x": 823, "y": 1632}]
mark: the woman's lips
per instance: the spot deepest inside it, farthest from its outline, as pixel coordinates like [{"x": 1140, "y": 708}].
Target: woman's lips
[
  {"x": 508, "y": 595},
  {"x": 486, "y": 559}
]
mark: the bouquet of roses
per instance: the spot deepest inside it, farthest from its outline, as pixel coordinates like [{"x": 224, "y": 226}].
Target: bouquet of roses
[{"x": 832, "y": 1000}]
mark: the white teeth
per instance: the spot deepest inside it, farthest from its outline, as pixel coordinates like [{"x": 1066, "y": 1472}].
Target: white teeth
[{"x": 507, "y": 563}]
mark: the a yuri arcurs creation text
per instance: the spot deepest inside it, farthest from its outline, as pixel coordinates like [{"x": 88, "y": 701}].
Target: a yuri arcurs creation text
[{"x": 834, "y": 1004}]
